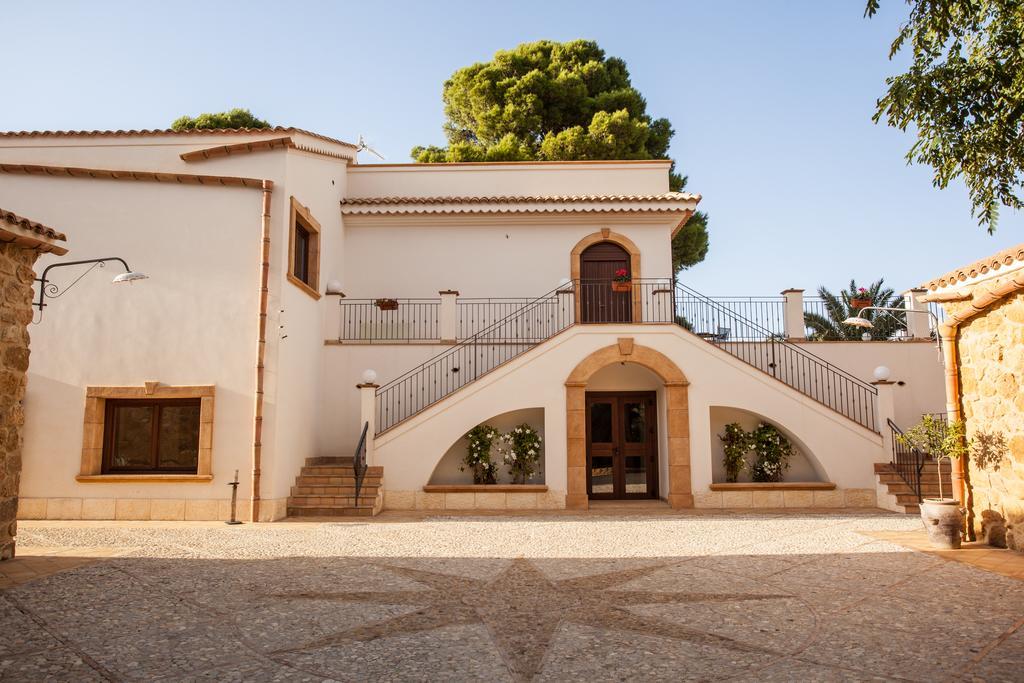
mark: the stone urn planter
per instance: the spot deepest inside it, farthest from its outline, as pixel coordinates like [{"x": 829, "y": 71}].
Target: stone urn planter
[{"x": 943, "y": 520}]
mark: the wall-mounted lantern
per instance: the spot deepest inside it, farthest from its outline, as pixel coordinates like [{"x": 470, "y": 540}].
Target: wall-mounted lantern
[{"x": 49, "y": 290}]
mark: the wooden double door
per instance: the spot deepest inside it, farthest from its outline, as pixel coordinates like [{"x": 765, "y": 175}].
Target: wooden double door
[
  {"x": 598, "y": 303},
  {"x": 622, "y": 444}
]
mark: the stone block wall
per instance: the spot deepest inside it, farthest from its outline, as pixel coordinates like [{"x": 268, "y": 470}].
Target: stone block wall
[
  {"x": 16, "y": 278},
  {"x": 991, "y": 349}
]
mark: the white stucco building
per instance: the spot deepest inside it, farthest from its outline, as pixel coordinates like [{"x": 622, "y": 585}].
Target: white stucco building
[{"x": 273, "y": 258}]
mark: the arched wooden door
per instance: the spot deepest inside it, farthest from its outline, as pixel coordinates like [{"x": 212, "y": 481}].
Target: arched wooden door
[{"x": 598, "y": 303}]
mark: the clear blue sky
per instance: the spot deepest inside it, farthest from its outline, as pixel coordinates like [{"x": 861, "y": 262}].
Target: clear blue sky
[{"x": 771, "y": 101}]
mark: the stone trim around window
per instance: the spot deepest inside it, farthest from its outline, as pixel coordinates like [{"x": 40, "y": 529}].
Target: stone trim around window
[
  {"x": 301, "y": 214},
  {"x": 94, "y": 422}
]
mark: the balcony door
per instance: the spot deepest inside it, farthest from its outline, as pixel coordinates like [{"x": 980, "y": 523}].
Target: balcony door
[
  {"x": 622, "y": 445},
  {"x": 598, "y": 303}
]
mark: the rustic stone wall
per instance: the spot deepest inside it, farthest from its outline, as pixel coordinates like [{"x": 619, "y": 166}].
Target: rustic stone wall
[
  {"x": 991, "y": 349},
  {"x": 16, "y": 278}
]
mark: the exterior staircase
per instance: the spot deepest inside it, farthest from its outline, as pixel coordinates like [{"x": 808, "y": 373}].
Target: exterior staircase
[
  {"x": 326, "y": 487},
  {"x": 904, "y": 492}
]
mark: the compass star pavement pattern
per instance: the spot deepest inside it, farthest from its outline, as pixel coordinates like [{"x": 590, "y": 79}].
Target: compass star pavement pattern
[
  {"x": 698, "y": 596},
  {"x": 522, "y": 609}
]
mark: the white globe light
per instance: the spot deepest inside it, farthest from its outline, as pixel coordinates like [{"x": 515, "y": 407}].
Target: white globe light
[
  {"x": 333, "y": 286},
  {"x": 369, "y": 376},
  {"x": 882, "y": 373}
]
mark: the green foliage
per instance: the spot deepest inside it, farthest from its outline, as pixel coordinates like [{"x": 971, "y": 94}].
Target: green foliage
[
  {"x": 963, "y": 94},
  {"x": 937, "y": 437},
  {"x": 773, "y": 451},
  {"x": 235, "y": 118},
  {"x": 552, "y": 101},
  {"x": 736, "y": 443},
  {"x": 478, "y": 454},
  {"x": 830, "y": 327},
  {"x": 521, "y": 452}
]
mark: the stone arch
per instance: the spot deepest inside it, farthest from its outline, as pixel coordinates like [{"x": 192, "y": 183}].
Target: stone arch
[
  {"x": 677, "y": 408},
  {"x": 606, "y": 235}
]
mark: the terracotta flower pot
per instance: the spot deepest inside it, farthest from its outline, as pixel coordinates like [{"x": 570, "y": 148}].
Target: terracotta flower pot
[
  {"x": 860, "y": 303},
  {"x": 943, "y": 520},
  {"x": 622, "y": 286}
]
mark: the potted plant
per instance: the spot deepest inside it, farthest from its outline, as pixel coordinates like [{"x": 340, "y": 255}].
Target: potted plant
[
  {"x": 862, "y": 299},
  {"x": 521, "y": 452},
  {"x": 478, "y": 454},
  {"x": 943, "y": 518},
  {"x": 387, "y": 304},
  {"x": 735, "y": 443},
  {"x": 622, "y": 281},
  {"x": 773, "y": 451}
]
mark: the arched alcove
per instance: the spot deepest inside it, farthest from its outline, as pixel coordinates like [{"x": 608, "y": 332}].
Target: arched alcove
[
  {"x": 803, "y": 466},
  {"x": 447, "y": 470}
]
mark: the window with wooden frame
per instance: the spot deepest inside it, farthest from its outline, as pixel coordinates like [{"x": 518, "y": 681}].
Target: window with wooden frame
[
  {"x": 304, "y": 250},
  {"x": 150, "y": 432},
  {"x": 151, "y": 436}
]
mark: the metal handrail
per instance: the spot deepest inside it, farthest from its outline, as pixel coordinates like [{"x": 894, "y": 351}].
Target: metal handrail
[
  {"x": 359, "y": 461},
  {"x": 907, "y": 460},
  {"x": 470, "y": 359},
  {"x": 791, "y": 364},
  {"x": 412, "y": 320}
]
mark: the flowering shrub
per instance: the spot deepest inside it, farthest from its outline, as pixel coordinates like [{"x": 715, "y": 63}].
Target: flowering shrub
[
  {"x": 622, "y": 275},
  {"x": 521, "y": 451},
  {"x": 773, "y": 451},
  {"x": 736, "y": 442},
  {"x": 478, "y": 454}
]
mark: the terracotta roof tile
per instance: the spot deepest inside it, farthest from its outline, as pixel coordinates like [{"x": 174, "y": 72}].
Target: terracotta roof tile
[
  {"x": 1006, "y": 257},
  {"x": 32, "y": 226},
  {"x": 167, "y": 131},
  {"x": 551, "y": 199}
]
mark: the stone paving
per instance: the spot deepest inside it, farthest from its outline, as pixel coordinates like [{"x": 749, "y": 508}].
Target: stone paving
[{"x": 743, "y": 596}]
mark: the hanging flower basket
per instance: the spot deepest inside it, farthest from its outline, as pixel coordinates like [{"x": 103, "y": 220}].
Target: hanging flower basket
[
  {"x": 387, "y": 304},
  {"x": 622, "y": 281}
]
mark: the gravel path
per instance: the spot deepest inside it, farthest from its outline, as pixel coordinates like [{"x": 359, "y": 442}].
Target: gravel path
[{"x": 755, "y": 596}]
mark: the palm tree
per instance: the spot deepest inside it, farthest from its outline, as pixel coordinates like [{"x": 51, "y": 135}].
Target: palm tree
[{"x": 837, "y": 308}]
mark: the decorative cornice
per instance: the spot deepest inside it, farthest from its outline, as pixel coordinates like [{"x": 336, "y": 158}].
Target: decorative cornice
[
  {"x": 152, "y": 132},
  {"x": 258, "y": 146},
  {"x": 110, "y": 174},
  {"x": 1006, "y": 257}
]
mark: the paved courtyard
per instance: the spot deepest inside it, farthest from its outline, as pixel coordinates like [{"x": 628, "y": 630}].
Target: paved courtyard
[{"x": 758, "y": 597}]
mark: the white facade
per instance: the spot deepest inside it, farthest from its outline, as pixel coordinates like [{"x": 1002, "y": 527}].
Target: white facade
[{"x": 487, "y": 231}]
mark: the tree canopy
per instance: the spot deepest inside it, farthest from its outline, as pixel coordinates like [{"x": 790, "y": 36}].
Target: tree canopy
[
  {"x": 964, "y": 95},
  {"x": 550, "y": 101},
  {"x": 235, "y": 118}
]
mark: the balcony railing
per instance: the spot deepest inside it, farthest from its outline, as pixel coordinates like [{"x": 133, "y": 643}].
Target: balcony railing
[
  {"x": 643, "y": 301},
  {"x": 376, "y": 320}
]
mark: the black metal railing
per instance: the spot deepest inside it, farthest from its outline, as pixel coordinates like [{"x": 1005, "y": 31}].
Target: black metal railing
[
  {"x": 769, "y": 352},
  {"x": 359, "y": 461},
  {"x": 467, "y": 361},
  {"x": 476, "y": 315},
  {"x": 906, "y": 460},
  {"x": 389, "y": 319}
]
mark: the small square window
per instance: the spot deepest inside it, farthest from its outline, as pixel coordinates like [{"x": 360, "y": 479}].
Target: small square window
[
  {"x": 151, "y": 436},
  {"x": 304, "y": 250}
]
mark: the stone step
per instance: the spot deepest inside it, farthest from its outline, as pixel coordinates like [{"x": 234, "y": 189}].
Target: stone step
[
  {"x": 334, "y": 490},
  {"x": 329, "y": 511},
  {"x": 334, "y": 480},
  {"x": 331, "y": 501},
  {"x": 329, "y": 460},
  {"x": 338, "y": 470}
]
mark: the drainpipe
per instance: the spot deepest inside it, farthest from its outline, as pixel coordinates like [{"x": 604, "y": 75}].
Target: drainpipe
[{"x": 261, "y": 350}]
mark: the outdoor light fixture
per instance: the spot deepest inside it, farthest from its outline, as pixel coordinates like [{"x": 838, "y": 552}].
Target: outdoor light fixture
[
  {"x": 49, "y": 290},
  {"x": 858, "y": 321},
  {"x": 882, "y": 373},
  {"x": 369, "y": 376}
]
